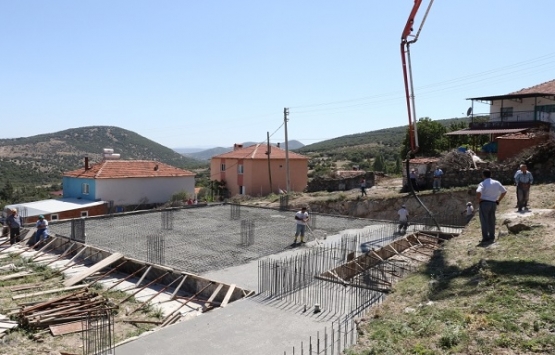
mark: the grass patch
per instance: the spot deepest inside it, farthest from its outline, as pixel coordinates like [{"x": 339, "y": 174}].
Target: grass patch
[{"x": 473, "y": 300}]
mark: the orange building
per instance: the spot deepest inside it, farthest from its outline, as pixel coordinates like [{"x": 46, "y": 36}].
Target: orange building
[{"x": 246, "y": 170}]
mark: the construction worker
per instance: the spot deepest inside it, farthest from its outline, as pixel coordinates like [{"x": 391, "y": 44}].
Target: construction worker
[
  {"x": 469, "y": 212},
  {"x": 301, "y": 218},
  {"x": 14, "y": 224},
  {"x": 403, "y": 219}
]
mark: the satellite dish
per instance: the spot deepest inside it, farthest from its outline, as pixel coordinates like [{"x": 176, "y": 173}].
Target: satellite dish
[{"x": 469, "y": 111}]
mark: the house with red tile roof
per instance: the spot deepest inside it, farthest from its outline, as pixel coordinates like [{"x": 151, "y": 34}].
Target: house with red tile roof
[
  {"x": 127, "y": 182},
  {"x": 248, "y": 171},
  {"x": 522, "y": 111}
]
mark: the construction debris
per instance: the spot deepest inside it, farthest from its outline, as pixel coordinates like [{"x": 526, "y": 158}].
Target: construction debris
[{"x": 69, "y": 308}]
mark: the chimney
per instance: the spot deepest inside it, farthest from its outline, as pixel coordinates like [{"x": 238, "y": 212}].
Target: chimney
[
  {"x": 87, "y": 163},
  {"x": 237, "y": 146}
]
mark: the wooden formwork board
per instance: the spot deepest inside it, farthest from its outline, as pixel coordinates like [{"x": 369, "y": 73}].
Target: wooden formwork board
[{"x": 95, "y": 268}]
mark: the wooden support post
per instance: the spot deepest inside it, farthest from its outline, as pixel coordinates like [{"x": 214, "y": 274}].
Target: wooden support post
[
  {"x": 143, "y": 276},
  {"x": 228, "y": 295},
  {"x": 111, "y": 271},
  {"x": 156, "y": 294},
  {"x": 213, "y": 295},
  {"x": 169, "y": 316},
  {"x": 142, "y": 288},
  {"x": 178, "y": 287},
  {"x": 126, "y": 278}
]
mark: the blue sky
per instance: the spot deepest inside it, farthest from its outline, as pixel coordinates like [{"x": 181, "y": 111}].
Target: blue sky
[{"x": 214, "y": 73}]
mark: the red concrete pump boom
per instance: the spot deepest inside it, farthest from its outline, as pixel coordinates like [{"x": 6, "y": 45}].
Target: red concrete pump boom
[{"x": 407, "y": 71}]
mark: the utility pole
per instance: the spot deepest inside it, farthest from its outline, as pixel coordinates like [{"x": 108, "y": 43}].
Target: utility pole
[
  {"x": 269, "y": 165},
  {"x": 285, "y": 119}
]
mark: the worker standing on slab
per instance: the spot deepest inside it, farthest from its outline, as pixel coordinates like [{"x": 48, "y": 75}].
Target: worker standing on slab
[
  {"x": 301, "y": 218},
  {"x": 523, "y": 180},
  {"x": 403, "y": 219},
  {"x": 489, "y": 193},
  {"x": 14, "y": 224}
]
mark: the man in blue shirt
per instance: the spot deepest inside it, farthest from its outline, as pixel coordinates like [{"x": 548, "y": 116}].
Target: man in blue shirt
[
  {"x": 438, "y": 173},
  {"x": 523, "y": 180},
  {"x": 489, "y": 193}
]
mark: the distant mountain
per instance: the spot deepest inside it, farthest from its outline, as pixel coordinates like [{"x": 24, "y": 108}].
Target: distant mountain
[
  {"x": 42, "y": 159},
  {"x": 188, "y": 150},
  {"x": 209, "y": 153}
]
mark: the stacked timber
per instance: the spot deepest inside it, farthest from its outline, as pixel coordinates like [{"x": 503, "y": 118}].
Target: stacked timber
[{"x": 69, "y": 308}]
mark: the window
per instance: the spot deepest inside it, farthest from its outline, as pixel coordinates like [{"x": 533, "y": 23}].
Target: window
[
  {"x": 240, "y": 169},
  {"x": 506, "y": 112},
  {"x": 222, "y": 167},
  {"x": 241, "y": 190},
  {"x": 54, "y": 217},
  {"x": 85, "y": 189},
  {"x": 84, "y": 213}
]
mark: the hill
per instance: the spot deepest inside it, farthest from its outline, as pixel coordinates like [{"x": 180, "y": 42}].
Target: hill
[
  {"x": 387, "y": 137},
  {"x": 42, "y": 159},
  {"x": 209, "y": 153}
]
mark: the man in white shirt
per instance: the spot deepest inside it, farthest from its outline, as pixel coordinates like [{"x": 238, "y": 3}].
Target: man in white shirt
[
  {"x": 403, "y": 219},
  {"x": 469, "y": 212},
  {"x": 301, "y": 218},
  {"x": 489, "y": 193}
]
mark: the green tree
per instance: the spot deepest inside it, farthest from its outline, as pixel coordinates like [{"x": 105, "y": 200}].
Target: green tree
[
  {"x": 380, "y": 164},
  {"x": 7, "y": 193},
  {"x": 431, "y": 138},
  {"x": 398, "y": 164}
]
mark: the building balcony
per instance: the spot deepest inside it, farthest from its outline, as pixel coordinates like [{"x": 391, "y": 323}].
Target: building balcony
[{"x": 508, "y": 120}]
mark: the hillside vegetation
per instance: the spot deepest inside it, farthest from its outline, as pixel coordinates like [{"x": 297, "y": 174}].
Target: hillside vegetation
[
  {"x": 387, "y": 137},
  {"x": 42, "y": 159}
]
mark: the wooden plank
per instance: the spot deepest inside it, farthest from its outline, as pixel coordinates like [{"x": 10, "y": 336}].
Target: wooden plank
[
  {"x": 142, "y": 321},
  {"x": 8, "y": 324},
  {"x": 66, "y": 328},
  {"x": 16, "y": 275},
  {"x": 228, "y": 295},
  {"x": 95, "y": 268},
  {"x": 18, "y": 297},
  {"x": 23, "y": 287},
  {"x": 213, "y": 296}
]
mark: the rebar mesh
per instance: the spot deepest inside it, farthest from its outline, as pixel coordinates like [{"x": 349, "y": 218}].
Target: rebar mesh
[
  {"x": 167, "y": 220},
  {"x": 235, "y": 212},
  {"x": 78, "y": 230},
  {"x": 98, "y": 334},
  {"x": 247, "y": 232},
  {"x": 204, "y": 238},
  {"x": 156, "y": 250}
]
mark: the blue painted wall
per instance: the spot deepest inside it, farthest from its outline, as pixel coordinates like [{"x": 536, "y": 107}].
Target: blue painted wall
[{"x": 72, "y": 188}]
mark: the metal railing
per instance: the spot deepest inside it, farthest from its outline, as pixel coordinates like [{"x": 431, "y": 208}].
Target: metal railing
[{"x": 515, "y": 119}]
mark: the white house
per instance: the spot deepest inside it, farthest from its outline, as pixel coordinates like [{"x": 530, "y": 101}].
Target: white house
[
  {"x": 127, "y": 182},
  {"x": 520, "y": 112}
]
